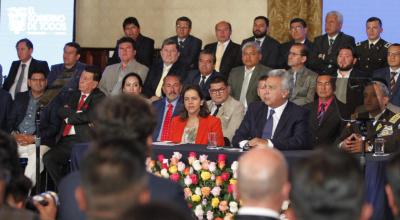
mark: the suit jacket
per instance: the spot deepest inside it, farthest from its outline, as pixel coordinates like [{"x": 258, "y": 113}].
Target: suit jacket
[
  {"x": 384, "y": 74},
  {"x": 270, "y": 50},
  {"x": 110, "y": 75},
  {"x": 291, "y": 132},
  {"x": 304, "y": 89},
  {"x": 323, "y": 62},
  {"x": 231, "y": 114},
  {"x": 144, "y": 51},
  {"x": 159, "y": 107},
  {"x": 374, "y": 58},
  {"x": 189, "y": 53},
  {"x": 231, "y": 58},
  {"x": 35, "y": 65},
  {"x": 194, "y": 78},
  {"x": 331, "y": 125},
  {"x": 254, "y": 217},
  {"x": 5, "y": 111},
  {"x": 161, "y": 190},
  {"x": 285, "y": 48},
  {"x": 206, "y": 125},
  {"x": 82, "y": 120},
  {"x": 236, "y": 78},
  {"x": 155, "y": 73}
]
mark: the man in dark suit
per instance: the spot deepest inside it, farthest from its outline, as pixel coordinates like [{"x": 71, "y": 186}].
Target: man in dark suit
[
  {"x": 372, "y": 53},
  {"x": 5, "y": 110},
  {"x": 263, "y": 185},
  {"x": 64, "y": 77},
  {"x": 204, "y": 75},
  {"x": 269, "y": 46},
  {"x": 168, "y": 65},
  {"x": 325, "y": 121},
  {"x": 17, "y": 78},
  {"x": 227, "y": 53},
  {"x": 274, "y": 122},
  {"x": 298, "y": 32},
  {"x": 189, "y": 46},
  {"x": 144, "y": 46},
  {"x": 167, "y": 107},
  {"x": 77, "y": 114},
  {"x": 391, "y": 74},
  {"x": 326, "y": 47}
]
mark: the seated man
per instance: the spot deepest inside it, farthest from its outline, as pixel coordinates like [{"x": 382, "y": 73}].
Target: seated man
[
  {"x": 226, "y": 108},
  {"x": 204, "y": 75},
  {"x": 24, "y": 114},
  {"x": 383, "y": 122},
  {"x": 77, "y": 114},
  {"x": 274, "y": 121}
]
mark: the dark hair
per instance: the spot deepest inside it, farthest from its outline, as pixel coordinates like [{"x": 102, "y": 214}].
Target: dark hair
[
  {"x": 9, "y": 159},
  {"x": 328, "y": 183},
  {"x": 225, "y": 22},
  {"x": 208, "y": 52},
  {"x": 393, "y": 176},
  {"x": 74, "y": 45},
  {"x": 126, "y": 40},
  {"x": 130, "y": 20},
  {"x": 186, "y": 19},
  {"x": 27, "y": 42},
  {"x": 36, "y": 70},
  {"x": 204, "y": 112},
  {"x": 20, "y": 188},
  {"x": 146, "y": 211},
  {"x": 353, "y": 52},
  {"x": 371, "y": 19},
  {"x": 95, "y": 70},
  {"x": 133, "y": 75},
  {"x": 304, "y": 50},
  {"x": 332, "y": 81},
  {"x": 124, "y": 117},
  {"x": 299, "y": 20},
  {"x": 169, "y": 42},
  {"x": 394, "y": 45},
  {"x": 266, "y": 20},
  {"x": 263, "y": 78},
  {"x": 219, "y": 79}
]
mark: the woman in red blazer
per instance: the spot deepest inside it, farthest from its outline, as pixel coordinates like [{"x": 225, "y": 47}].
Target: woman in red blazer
[{"x": 195, "y": 122}]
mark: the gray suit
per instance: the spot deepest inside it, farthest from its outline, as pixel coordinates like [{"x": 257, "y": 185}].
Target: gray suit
[
  {"x": 236, "y": 78},
  {"x": 231, "y": 114},
  {"x": 110, "y": 83},
  {"x": 304, "y": 89}
]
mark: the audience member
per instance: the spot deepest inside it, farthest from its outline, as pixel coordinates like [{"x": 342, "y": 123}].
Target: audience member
[
  {"x": 274, "y": 121},
  {"x": 18, "y": 192},
  {"x": 146, "y": 211},
  {"x": 132, "y": 84},
  {"x": 392, "y": 187},
  {"x": 5, "y": 110}
]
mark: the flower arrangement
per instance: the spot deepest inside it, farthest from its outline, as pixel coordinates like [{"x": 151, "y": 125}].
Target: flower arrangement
[{"x": 209, "y": 187}]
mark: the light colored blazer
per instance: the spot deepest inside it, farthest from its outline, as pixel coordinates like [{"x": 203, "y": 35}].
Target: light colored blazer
[
  {"x": 109, "y": 78},
  {"x": 231, "y": 114},
  {"x": 304, "y": 89}
]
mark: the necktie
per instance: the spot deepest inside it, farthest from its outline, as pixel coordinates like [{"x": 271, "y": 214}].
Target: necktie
[
  {"x": 68, "y": 127},
  {"x": 218, "y": 56},
  {"x": 258, "y": 42},
  {"x": 167, "y": 123},
  {"x": 392, "y": 81},
  {"x": 331, "y": 41},
  {"x": 165, "y": 71},
  {"x": 321, "y": 113},
  {"x": 371, "y": 46},
  {"x": 216, "y": 110},
  {"x": 245, "y": 85},
  {"x": 180, "y": 44},
  {"x": 20, "y": 79},
  {"x": 267, "y": 131},
  {"x": 202, "y": 82}
]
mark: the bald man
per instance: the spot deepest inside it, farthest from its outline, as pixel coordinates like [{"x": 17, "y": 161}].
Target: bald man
[{"x": 262, "y": 186}]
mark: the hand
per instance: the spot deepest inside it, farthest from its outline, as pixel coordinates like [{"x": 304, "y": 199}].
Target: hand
[
  {"x": 352, "y": 143},
  {"x": 19, "y": 138},
  {"x": 258, "y": 142},
  {"x": 49, "y": 211}
]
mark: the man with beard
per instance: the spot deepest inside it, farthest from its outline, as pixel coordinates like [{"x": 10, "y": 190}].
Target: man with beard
[{"x": 269, "y": 46}]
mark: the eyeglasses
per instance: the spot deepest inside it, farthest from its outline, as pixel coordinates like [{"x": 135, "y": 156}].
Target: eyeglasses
[
  {"x": 182, "y": 27},
  {"x": 215, "y": 91},
  {"x": 389, "y": 54},
  {"x": 296, "y": 28},
  {"x": 294, "y": 54}
]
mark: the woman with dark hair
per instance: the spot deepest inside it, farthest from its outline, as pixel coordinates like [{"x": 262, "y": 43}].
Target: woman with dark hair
[
  {"x": 132, "y": 84},
  {"x": 195, "y": 122}
]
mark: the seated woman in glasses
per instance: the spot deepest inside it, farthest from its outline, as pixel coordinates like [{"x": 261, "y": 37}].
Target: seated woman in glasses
[{"x": 195, "y": 122}]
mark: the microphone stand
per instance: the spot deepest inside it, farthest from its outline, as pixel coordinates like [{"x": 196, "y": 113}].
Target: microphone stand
[{"x": 37, "y": 144}]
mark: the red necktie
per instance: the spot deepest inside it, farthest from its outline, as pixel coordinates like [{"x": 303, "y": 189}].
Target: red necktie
[
  {"x": 167, "y": 123},
  {"x": 68, "y": 127}
]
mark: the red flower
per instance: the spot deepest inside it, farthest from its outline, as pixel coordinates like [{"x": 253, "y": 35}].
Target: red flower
[
  {"x": 174, "y": 177},
  {"x": 192, "y": 154},
  {"x": 225, "y": 176},
  {"x": 164, "y": 166},
  {"x": 194, "y": 179},
  {"x": 230, "y": 188},
  {"x": 160, "y": 158},
  {"x": 221, "y": 157}
]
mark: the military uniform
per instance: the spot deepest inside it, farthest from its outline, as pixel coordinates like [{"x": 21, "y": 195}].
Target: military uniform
[{"x": 371, "y": 58}]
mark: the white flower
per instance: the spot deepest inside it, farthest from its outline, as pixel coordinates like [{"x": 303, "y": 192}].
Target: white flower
[
  {"x": 212, "y": 167},
  {"x": 196, "y": 165},
  {"x": 164, "y": 173},
  {"x": 204, "y": 202},
  {"x": 197, "y": 191},
  {"x": 181, "y": 166},
  {"x": 213, "y": 177},
  {"x": 216, "y": 191},
  {"x": 234, "y": 175},
  {"x": 234, "y": 166},
  {"x": 188, "y": 181},
  {"x": 233, "y": 207},
  {"x": 177, "y": 155},
  {"x": 191, "y": 170},
  {"x": 165, "y": 161},
  {"x": 203, "y": 158},
  {"x": 210, "y": 215},
  {"x": 199, "y": 212}
]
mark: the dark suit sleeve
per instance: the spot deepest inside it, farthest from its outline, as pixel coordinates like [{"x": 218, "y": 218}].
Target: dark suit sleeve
[
  {"x": 7, "y": 106},
  {"x": 50, "y": 122},
  {"x": 244, "y": 130},
  {"x": 147, "y": 52}
]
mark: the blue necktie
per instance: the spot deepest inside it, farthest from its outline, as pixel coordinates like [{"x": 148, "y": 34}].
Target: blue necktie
[{"x": 267, "y": 131}]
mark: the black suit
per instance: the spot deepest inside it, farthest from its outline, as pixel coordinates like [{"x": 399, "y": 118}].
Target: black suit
[
  {"x": 321, "y": 61},
  {"x": 194, "y": 78},
  {"x": 285, "y": 48},
  {"x": 189, "y": 52},
  {"x": 231, "y": 58},
  {"x": 34, "y": 65},
  {"x": 161, "y": 190},
  {"x": 144, "y": 51},
  {"x": 5, "y": 111},
  {"x": 372, "y": 58},
  {"x": 155, "y": 73},
  {"x": 254, "y": 217},
  {"x": 270, "y": 52}
]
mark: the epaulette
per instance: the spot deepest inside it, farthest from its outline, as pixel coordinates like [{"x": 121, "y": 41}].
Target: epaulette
[
  {"x": 394, "y": 118},
  {"x": 387, "y": 45}
]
